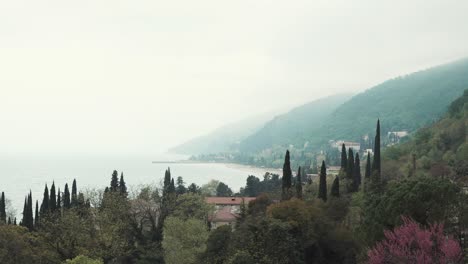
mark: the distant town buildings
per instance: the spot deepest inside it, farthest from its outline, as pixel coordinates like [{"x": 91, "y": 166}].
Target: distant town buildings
[
  {"x": 356, "y": 146},
  {"x": 227, "y": 209},
  {"x": 395, "y": 136}
]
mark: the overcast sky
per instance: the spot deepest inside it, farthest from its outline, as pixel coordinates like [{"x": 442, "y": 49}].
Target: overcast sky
[{"x": 135, "y": 77}]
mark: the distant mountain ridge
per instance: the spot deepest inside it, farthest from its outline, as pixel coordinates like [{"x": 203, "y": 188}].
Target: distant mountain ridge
[
  {"x": 222, "y": 139},
  {"x": 403, "y": 103},
  {"x": 295, "y": 126}
]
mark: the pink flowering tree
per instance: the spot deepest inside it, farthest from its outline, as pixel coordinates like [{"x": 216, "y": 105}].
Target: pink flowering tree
[{"x": 409, "y": 243}]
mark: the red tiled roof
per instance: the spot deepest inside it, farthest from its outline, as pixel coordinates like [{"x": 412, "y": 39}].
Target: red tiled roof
[
  {"x": 224, "y": 215},
  {"x": 228, "y": 200}
]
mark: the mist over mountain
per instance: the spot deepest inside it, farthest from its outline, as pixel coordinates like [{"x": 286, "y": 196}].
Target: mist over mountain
[
  {"x": 223, "y": 139},
  {"x": 405, "y": 103}
]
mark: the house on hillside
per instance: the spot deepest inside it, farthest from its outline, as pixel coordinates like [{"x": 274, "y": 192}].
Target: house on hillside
[
  {"x": 227, "y": 209},
  {"x": 395, "y": 136},
  {"x": 356, "y": 146}
]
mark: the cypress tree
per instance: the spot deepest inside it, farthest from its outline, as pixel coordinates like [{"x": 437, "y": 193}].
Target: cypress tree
[
  {"x": 167, "y": 181},
  {"x": 172, "y": 187},
  {"x": 299, "y": 184},
  {"x": 344, "y": 159},
  {"x": 335, "y": 189},
  {"x": 376, "y": 166},
  {"x": 357, "y": 173},
  {"x": 28, "y": 220},
  {"x": 59, "y": 201},
  {"x": 2, "y": 208},
  {"x": 9, "y": 220},
  {"x": 122, "y": 185},
  {"x": 368, "y": 168},
  {"x": 14, "y": 222},
  {"x": 322, "y": 194},
  {"x": 45, "y": 201},
  {"x": 287, "y": 176},
  {"x": 350, "y": 172},
  {"x": 66, "y": 198},
  {"x": 74, "y": 195},
  {"x": 52, "y": 198},
  {"x": 24, "y": 210},
  {"x": 36, "y": 216},
  {"x": 30, "y": 212},
  {"x": 114, "y": 185}
]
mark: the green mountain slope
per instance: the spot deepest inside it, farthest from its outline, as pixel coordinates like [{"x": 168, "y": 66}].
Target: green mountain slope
[
  {"x": 294, "y": 127},
  {"x": 439, "y": 150},
  {"x": 404, "y": 103}
]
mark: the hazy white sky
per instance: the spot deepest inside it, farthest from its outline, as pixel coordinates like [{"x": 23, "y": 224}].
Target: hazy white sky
[{"x": 126, "y": 77}]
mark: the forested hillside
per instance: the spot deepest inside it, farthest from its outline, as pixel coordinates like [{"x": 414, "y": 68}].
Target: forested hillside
[
  {"x": 405, "y": 103},
  {"x": 438, "y": 150},
  {"x": 296, "y": 126}
]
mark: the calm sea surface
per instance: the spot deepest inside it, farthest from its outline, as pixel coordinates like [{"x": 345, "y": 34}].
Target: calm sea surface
[{"x": 18, "y": 175}]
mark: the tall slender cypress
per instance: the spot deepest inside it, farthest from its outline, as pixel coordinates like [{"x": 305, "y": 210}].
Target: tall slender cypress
[
  {"x": 323, "y": 183},
  {"x": 59, "y": 201},
  {"x": 172, "y": 187},
  {"x": 287, "y": 177},
  {"x": 349, "y": 172},
  {"x": 368, "y": 168},
  {"x": 122, "y": 185},
  {"x": 344, "y": 159},
  {"x": 36, "y": 215},
  {"x": 376, "y": 165},
  {"x": 114, "y": 185},
  {"x": 357, "y": 173},
  {"x": 28, "y": 220},
  {"x": 299, "y": 184},
  {"x": 74, "y": 195},
  {"x": 52, "y": 198},
  {"x": 66, "y": 198},
  {"x": 167, "y": 181},
  {"x": 335, "y": 189},
  {"x": 2, "y": 208},
  {"x": 9, "y": 221},
  {"x": 45, "y": 201}
]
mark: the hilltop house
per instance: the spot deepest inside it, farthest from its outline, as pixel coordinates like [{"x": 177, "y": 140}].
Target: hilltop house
[
  {"x": 227, "y": 209},
  {"x": 356, "y": 146}
]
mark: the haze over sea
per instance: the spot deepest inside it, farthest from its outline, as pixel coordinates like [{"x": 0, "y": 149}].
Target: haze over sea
[{"x": 19, "y": 174}]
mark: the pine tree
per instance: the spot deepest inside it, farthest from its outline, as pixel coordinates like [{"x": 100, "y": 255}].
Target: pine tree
[
  {"x": 299, "y": 184},
  {"x": 180, "y": 189},
  {"x": 74, "y": 195},
  {"x": 66, "y": 198},
  {"x": 344, "y": 159},
  {"x": 357, "y": 173},
  {"x": 59, "y": 201},
  {"x": 335, "y": 189},
  {"x": 52, "y": 198},
  {"x": 122, "y": 185},
  {"x": 287, "y": 177},
  {"x": 2, "y": 208},
  {"x": 322, "y": 194},
  {"x": 376, "y": 166},
  {"x": 45, "y": 201}
]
